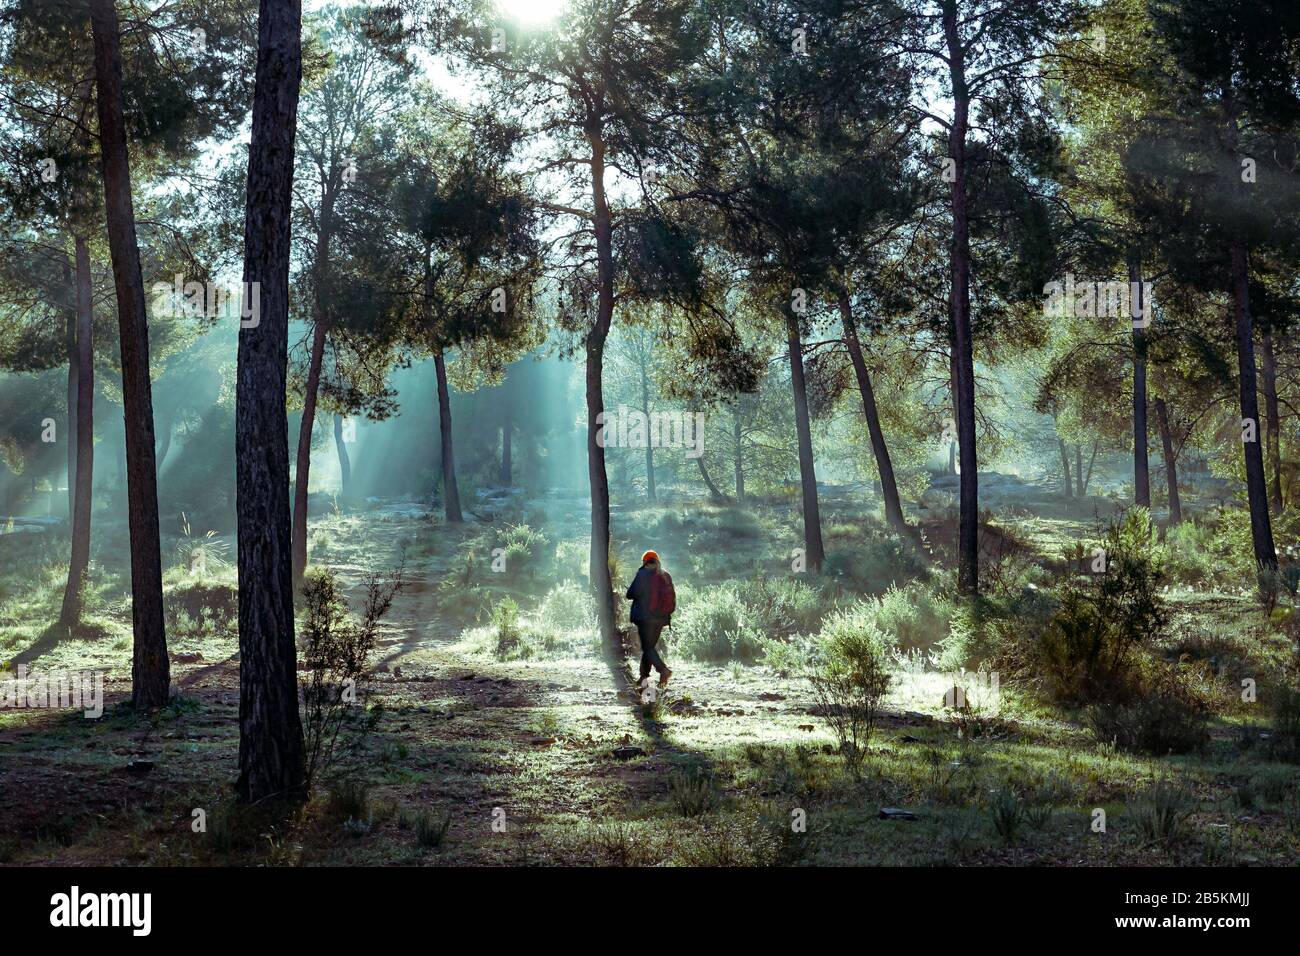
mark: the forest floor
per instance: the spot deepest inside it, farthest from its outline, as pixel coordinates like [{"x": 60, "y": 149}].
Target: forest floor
[{"x": 468, "y": 759}]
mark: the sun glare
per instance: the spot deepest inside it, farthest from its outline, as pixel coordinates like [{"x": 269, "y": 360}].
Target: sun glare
[{"x": 532, "y": 11}]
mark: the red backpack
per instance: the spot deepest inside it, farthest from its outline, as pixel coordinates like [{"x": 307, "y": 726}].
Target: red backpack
[{"x": 663, "y": 598}]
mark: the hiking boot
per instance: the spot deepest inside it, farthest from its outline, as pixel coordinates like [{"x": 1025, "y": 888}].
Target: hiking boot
[{"x": 663, "y": 678}]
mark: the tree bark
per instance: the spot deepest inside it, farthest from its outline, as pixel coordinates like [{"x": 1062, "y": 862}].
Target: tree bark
[
  {"x": 649, "y": 445},
  {"x": 272, "y": 761},
  {"x": 963, "y": 346},
  {"x": 84, "y": 363},
  {"x": 345, "y": 462},
  {"x": 1171, "y": 461},
  {"x": 738, "y": 453},
  {"x": 506, "y": 474},
  {"x": 884, "y": 466},
  {"x": 814, "y": 552},
  {"x": 450, "y": 490},
  {"x": 598, "y": 571},
  {"x": 302, "y": 468},
  {"x": 1261, "y": 529},
  {"x": 1065, "y": 467},
  {"x": 150, "y": 671},
  {"x": 1274, "y": 421},
  {"x": 1141, "y": 468},
  {"x": 70, "y": 433},
  {"x": 714, "y": 492},
  {"x": 1092, "y": 460},
  {"x": 1078, "y": 471}
]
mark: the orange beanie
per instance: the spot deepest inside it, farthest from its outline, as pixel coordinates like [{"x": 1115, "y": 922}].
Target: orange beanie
[{"x": 649, "y": 556}]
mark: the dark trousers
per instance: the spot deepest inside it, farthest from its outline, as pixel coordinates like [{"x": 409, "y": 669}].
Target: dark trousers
[{"x": 649, "y": 634}]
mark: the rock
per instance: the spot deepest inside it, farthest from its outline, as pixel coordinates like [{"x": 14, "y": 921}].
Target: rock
[
  {"x": 138, "y": 766},
  {"x": 627, "y": 752},
  {"x": 894, "y": 813},
  {"x": 187, "y": 657},
  {"x": 768, "y": 695},
  {"x": 808, "y": 727}
]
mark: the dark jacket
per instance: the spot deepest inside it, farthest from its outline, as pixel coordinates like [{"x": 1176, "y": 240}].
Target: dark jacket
[{"x": 638, "y": 592}]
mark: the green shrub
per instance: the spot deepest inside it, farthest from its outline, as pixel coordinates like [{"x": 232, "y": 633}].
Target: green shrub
[
  {"x": 1162, "y": 812},
  {"x": 781, "y": 606},
  {"x": 693, "y": 793},
  {"x": 505, "y": 622},
  {"x": 852, "y": 680},
  {"x": 1089, "y": 643},
  {"x": 793, "y": 655},
  {"x": 875, "y": 564},
  {"x": 1285, "y": 740},
  {"x": 430, "y": 828},
  {"x": 567, "y": 606},
  {"x": 1008, "y": 813},
  {"x": 714, "y": 626}
]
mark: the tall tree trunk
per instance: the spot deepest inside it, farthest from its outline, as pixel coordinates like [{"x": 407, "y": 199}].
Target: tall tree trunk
[
  {"x": 1065, "y": 467},
  {"x": 1078, "y": 471},
  {"x": 302, "y": 468},
  {"x": 272, "y": 761},
  {"x": 345, "y": 462},
  {"x": 70, "y": 433},
  {"x": 450, "y": 490},
  {"x": 884, "y": 466},
  {"x": 814, "y": 552},
  {"x": 83, "y": 471},
  {"x": 1274, "y": 421},
  {"x": 1171, "y": 461},
  {"x": 150, "y": 672},
  {"x": 506, "y": 474},
  {"x": 714, "y": 492},
  {"x": 598, "y": 479},
  {"x": 738, "y": 453},
  {"x": 963, "y": 346},
  {"x": 649, "y": 445},
  {"x": 1087, "y": 478},
  {"x": 165, "y": 436},
  {"x": 1261, "y": 529},
  {"x": 1141, "y": 468}
]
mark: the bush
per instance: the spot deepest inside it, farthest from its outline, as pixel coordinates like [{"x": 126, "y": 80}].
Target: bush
[
  {"x": 875, "y": 564},
  {"x": 1162, "y": 812},
  {"x": 505, "y": 622},
  {"x": 1286, "y": 724},
  {"x": 1088, "y": 645},
  {"x": 714, "y": 626},
  {"x": 430, "y": 828},
  {"x": 791, "y": 656},
  {"x": 567, "y": 606},
  {"x": 780, "y": 606},
  {"x": 1008, "y": 812},
  {"x": 525, "y": 551},
  {"x": 693, "y": 793},
  {"x": 852, "y": 681},
  {"x": 334, "y": 651},
  {"x": 1152, "y": 725}
]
